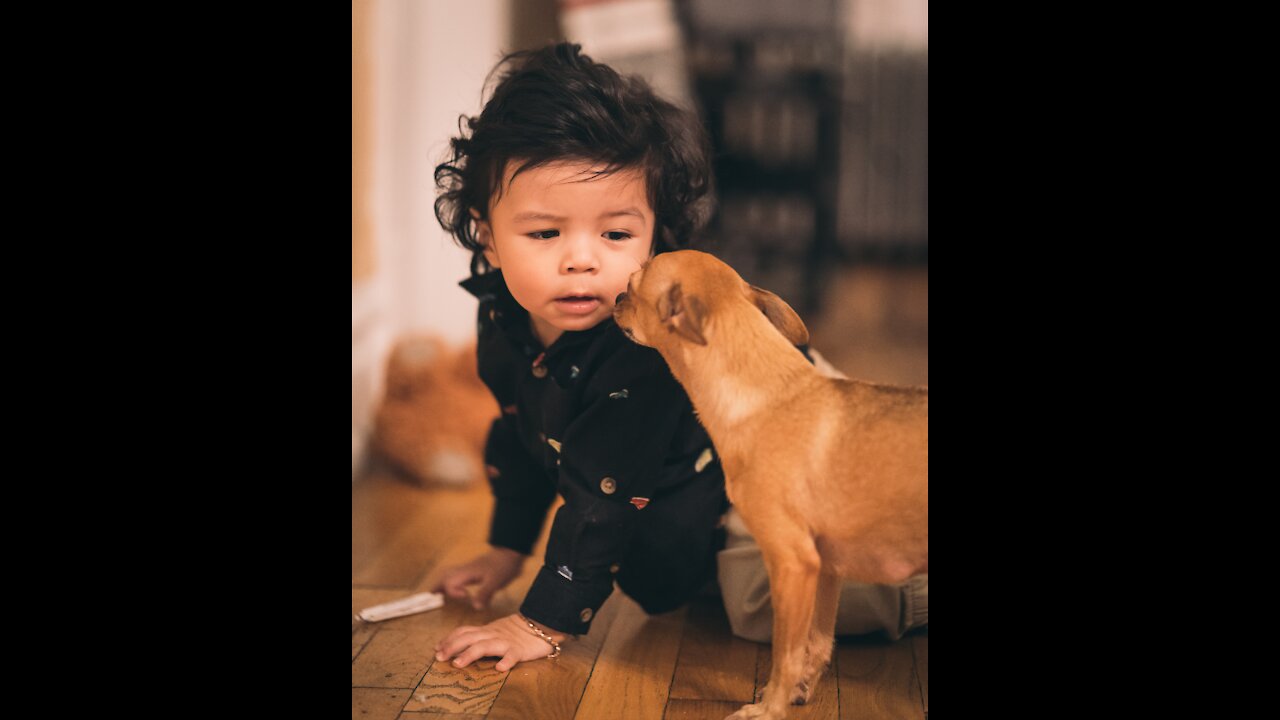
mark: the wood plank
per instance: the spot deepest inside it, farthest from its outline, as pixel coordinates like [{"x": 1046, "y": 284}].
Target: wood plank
[
  {"x": 448, "y": 689},
  {"x": 552, "y": 689},
  {"x": 713, "y": 663},
  {"x": 700, "y": 709},
  {"x": 392, "y": 659},
  {"x": 360, "y": 637},
  {"x": 403, "y": 651},
  {"x": 399, "y": 652},
  {"x": 361, "y": 598},
  {"x": 877, "y": 680},
  {"x": 380, "y": 507},
  {"x": 920, "y": 648},
  {"x": 633, "y": 673},
  {"x": 376, "y": 703},
  {"x": 445, "y": 688},
  {"x": 411, "y": 642},
  {"x": 824, "y": 704},
  {"x": 442, "y": 518}
]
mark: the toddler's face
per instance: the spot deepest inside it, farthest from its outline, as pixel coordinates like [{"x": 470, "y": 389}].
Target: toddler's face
[{"x": 567, "y": 240}]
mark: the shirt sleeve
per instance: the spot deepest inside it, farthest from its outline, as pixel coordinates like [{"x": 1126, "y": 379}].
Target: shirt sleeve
[
  {"x": 611, "y": 460},
  {"x": 521, "y": 489}
]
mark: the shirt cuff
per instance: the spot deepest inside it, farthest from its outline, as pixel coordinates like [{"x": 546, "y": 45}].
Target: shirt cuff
[{"x": 563, "y": 604}]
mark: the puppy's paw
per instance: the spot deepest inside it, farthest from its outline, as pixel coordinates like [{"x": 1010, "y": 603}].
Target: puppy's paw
[
  {"x": 748, "y": 712},
  {"x": 817, "y": 658},
  {"x": 801, "y": 693}
]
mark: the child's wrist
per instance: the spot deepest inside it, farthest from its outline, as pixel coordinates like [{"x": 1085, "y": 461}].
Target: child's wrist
[{"x": 555, "y": 634}]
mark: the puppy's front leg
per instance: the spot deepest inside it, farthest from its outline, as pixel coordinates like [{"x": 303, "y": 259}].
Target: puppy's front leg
[
  {"x": 793, "y": 582},
  {"x": 821, "y": 636}
]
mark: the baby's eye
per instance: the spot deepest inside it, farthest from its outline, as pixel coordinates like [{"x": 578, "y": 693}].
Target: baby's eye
[
  {"x": 544, "y": 234},
  {"x": 623, "y": 235}
]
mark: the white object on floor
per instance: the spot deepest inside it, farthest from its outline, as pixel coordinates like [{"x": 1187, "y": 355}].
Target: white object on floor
[{"x": 421, "y": 602}]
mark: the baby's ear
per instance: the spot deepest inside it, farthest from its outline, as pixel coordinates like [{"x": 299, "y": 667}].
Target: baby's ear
[{"x": 484, "y": 236}]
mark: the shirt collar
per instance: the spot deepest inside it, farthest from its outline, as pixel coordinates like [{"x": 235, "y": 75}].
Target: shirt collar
[{"x": 514, "y": 319}]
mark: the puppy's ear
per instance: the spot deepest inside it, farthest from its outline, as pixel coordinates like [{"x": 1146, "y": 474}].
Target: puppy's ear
[
  {"x": 781, "y": 315},
  {"x": 682, "y": 315}
]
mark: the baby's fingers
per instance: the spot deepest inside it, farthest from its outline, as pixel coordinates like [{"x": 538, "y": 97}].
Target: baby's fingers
[
  {"x": 484, "y": 648},
  {"x": 454, "y": 642},
  {"x": 455, "y": 583},
  {"x": 508, "y": 661}
]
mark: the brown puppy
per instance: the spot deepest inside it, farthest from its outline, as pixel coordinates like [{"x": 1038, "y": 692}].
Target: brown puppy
[{"x": 831, "y": 476}]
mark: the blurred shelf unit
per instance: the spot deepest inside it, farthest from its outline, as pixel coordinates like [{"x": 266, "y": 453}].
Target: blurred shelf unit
[
  {"x": 821, "y": 150},
  {"x": 767, "y": 78}
]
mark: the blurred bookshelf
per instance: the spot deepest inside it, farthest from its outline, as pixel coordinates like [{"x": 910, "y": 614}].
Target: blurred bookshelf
[{"x": 821, "y": 148}]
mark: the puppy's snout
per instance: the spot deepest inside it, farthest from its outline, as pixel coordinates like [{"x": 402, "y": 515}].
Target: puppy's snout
[{"x": 618, "y": 300}]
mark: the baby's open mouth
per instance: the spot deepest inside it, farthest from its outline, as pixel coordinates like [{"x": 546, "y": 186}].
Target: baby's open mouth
[{"x": 578, "y": 304}]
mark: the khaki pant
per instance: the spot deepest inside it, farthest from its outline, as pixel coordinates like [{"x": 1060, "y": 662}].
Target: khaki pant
[{"x": 864, "y": 608}]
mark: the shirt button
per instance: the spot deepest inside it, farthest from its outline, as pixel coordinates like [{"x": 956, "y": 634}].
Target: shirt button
[
  {"x": 703, "y": 460},
  {"x": 539, "y": 371},
  {"x": 586, "y": 614},
  {"x": 614, "y": 568},
  {"x": 608, "y": 486}
]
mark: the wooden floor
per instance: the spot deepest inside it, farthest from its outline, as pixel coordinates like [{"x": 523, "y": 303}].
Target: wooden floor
[{"x": 683, "y": 665}]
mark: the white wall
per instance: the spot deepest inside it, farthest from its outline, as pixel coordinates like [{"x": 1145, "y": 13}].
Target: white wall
[
  {"x": 888, "y": 24},
  {"x": 432, "y": 57},
  {"x": 436, "y": 55}
]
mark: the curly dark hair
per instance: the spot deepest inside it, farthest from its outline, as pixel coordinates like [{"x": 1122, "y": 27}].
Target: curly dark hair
[{"x": 556, "y": 104}]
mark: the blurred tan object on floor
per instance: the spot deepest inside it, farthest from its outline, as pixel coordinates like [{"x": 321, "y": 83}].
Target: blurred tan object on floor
[{"x": 435, "y": 412}]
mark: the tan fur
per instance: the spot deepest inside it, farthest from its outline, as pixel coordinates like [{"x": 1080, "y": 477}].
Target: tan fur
[
  {"x": 435, "y": 413},
  {"x": 830, "y": 475}
]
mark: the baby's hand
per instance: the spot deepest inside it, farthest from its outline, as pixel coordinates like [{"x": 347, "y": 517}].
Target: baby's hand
[
  {"x": 489, "y": 572},
  {"x": 508, "y": 638}
]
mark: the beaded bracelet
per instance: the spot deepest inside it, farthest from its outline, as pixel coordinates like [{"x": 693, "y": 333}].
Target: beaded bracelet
[{"x": 534, "y": 628}]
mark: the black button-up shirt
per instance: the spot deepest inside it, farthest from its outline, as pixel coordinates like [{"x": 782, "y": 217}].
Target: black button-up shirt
[{"x": 595, "y": 417}]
